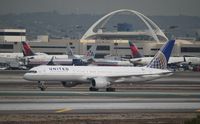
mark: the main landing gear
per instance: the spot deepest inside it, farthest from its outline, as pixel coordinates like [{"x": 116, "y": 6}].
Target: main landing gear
[
  {"x": 93, "y": 89},
  {"x": 109, "y": 89},
  {"x": 41, "y": 86}
]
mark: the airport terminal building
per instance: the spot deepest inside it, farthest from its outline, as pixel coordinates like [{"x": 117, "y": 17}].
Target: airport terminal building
[
  {"x": 108, "y": 43},
  {"x": 104, "y": 47}
]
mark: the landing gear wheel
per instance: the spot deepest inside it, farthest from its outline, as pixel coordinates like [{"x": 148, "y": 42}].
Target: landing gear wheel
[
  {"x": 110, "y": 89},
  {"x": 41, "y": 86},
  {"x": 93, "y": 89}
]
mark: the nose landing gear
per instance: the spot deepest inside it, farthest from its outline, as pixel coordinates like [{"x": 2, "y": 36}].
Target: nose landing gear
[{"x": 41, "y": 86}]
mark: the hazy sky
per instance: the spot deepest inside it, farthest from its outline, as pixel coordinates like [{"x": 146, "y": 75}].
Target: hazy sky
[{"x": 147, "y": 7}]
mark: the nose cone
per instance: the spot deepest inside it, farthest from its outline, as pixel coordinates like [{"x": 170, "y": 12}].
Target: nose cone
[{"x": 27, "y": 76}]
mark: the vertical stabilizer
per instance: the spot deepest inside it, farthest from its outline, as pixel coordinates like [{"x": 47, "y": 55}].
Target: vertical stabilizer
[
  {"x": 134, "y": 50},
  {"x": 161, "y": 58},
  {"x": 27, "y": 49},
  {"x": 91, "y": 52},
  {"x": 70, "y": 53}
]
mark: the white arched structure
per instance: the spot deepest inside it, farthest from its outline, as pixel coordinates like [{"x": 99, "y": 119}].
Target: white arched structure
[{"x": 153, "y": 31}]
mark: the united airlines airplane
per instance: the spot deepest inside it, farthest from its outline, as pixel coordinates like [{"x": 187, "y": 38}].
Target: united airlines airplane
[
  {"x": 139, "y": 59},
  {"x": 103, "y": 76}
]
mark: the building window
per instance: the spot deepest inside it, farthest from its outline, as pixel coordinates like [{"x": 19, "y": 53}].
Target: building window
[
  {"x": 89, "y": 46},
  {"x": 126, "y": 48},
  {"x": 100, "y": 48},
  {"x": 190, "y": 49},
  {"x": 103, "y": 47},
  {"x": 48, "y": 46},
  {"x": 12, "y": 33},
  {"x": 6, "y": 46},
  {"x": 100, "y": 55},
  {"x": 155, "y": 49},
  {"x": 116, "y": 44}
]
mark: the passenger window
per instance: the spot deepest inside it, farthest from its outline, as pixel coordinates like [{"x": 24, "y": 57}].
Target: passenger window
[{"x": 32, "y": 71}]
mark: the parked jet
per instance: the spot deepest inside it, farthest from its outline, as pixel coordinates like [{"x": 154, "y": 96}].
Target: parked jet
[
  {"x": 139, "y": 59},
  {"x": 103, "y": 76},
  {"x": 89, "y": 55},
  {"x": 34, "y": 59},
  {"x": 100, "y": 62},
  {"x": 11, "y": 55}
]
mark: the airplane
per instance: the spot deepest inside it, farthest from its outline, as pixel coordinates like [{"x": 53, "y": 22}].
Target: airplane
[
  {"x": 100, "y": 62},
  {"x": 139, "y": 59},
  {"x": 34, "y": 59},
  {"x": 103, "y": 76},
  {"x": 11, "y": 55},
  {"x": 89, "y": 55}
]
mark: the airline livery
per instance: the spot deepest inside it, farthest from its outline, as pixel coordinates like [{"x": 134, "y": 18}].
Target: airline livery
[
  {"x": 139, "y": 59},
  {"x": 103, "y": 76}
]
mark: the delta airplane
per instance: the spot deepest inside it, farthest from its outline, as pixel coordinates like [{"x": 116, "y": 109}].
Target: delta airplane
[
  {"x": 103, "y": 76},
  {"x": 34, "y": 59}
]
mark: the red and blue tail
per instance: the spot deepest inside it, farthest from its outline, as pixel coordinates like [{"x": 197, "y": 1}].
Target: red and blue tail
[
  {"x": 134, "y": 50},
  {"x": 91, "y": 52},
  {"x": 27, "y": 49},
  {"x": 161, "y": 58}
]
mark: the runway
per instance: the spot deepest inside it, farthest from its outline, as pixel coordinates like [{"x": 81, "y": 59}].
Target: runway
[
  {"x": 162, "y": 98},
  {"x": 99, "y": 105}
]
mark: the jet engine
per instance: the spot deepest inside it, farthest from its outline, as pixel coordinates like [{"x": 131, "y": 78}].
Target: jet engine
[
  {"x": 99, "y": 82},
  {"x": 69, "y": 84}
]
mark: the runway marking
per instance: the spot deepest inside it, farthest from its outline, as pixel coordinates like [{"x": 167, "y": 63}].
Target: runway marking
[{"x": 63, "y": 110}]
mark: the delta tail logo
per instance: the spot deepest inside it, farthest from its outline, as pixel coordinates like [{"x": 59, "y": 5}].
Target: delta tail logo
[
  {"x": 27, "y": 50},
  {"x": 134, "y": 50}
]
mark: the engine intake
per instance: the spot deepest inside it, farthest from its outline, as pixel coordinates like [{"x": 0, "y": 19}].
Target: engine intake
[{"x": 99, "y": 82}]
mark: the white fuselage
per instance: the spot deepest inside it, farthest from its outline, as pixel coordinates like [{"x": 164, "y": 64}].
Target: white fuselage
[
  {"x": 193, "y": 60},
  {"x": 44, "y": 59},
  {"x": 110, "y": 62},
  {"x": 11, "y": 55},
  {"x": 172, "y": 60},
  {"x": 84, "y": 73}
]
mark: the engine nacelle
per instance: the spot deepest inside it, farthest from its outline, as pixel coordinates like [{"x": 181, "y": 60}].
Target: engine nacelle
[
  {"x": 69, "y": 84},
  {"x": 99, "y": 82}
]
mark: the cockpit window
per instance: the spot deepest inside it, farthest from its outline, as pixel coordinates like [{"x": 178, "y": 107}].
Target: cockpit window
[{"x": 32, "y": 71}]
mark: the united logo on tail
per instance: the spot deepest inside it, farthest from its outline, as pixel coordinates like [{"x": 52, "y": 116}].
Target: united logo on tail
[{"x": 161, "y": 58}]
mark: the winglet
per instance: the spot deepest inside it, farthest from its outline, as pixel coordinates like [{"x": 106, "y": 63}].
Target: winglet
[
  {"x": 161, "y": 58},
  {"x": 134, "y": 50}
]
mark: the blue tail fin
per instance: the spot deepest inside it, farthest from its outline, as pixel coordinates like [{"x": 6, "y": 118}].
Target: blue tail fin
[{"x": 161, "y": 58}]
